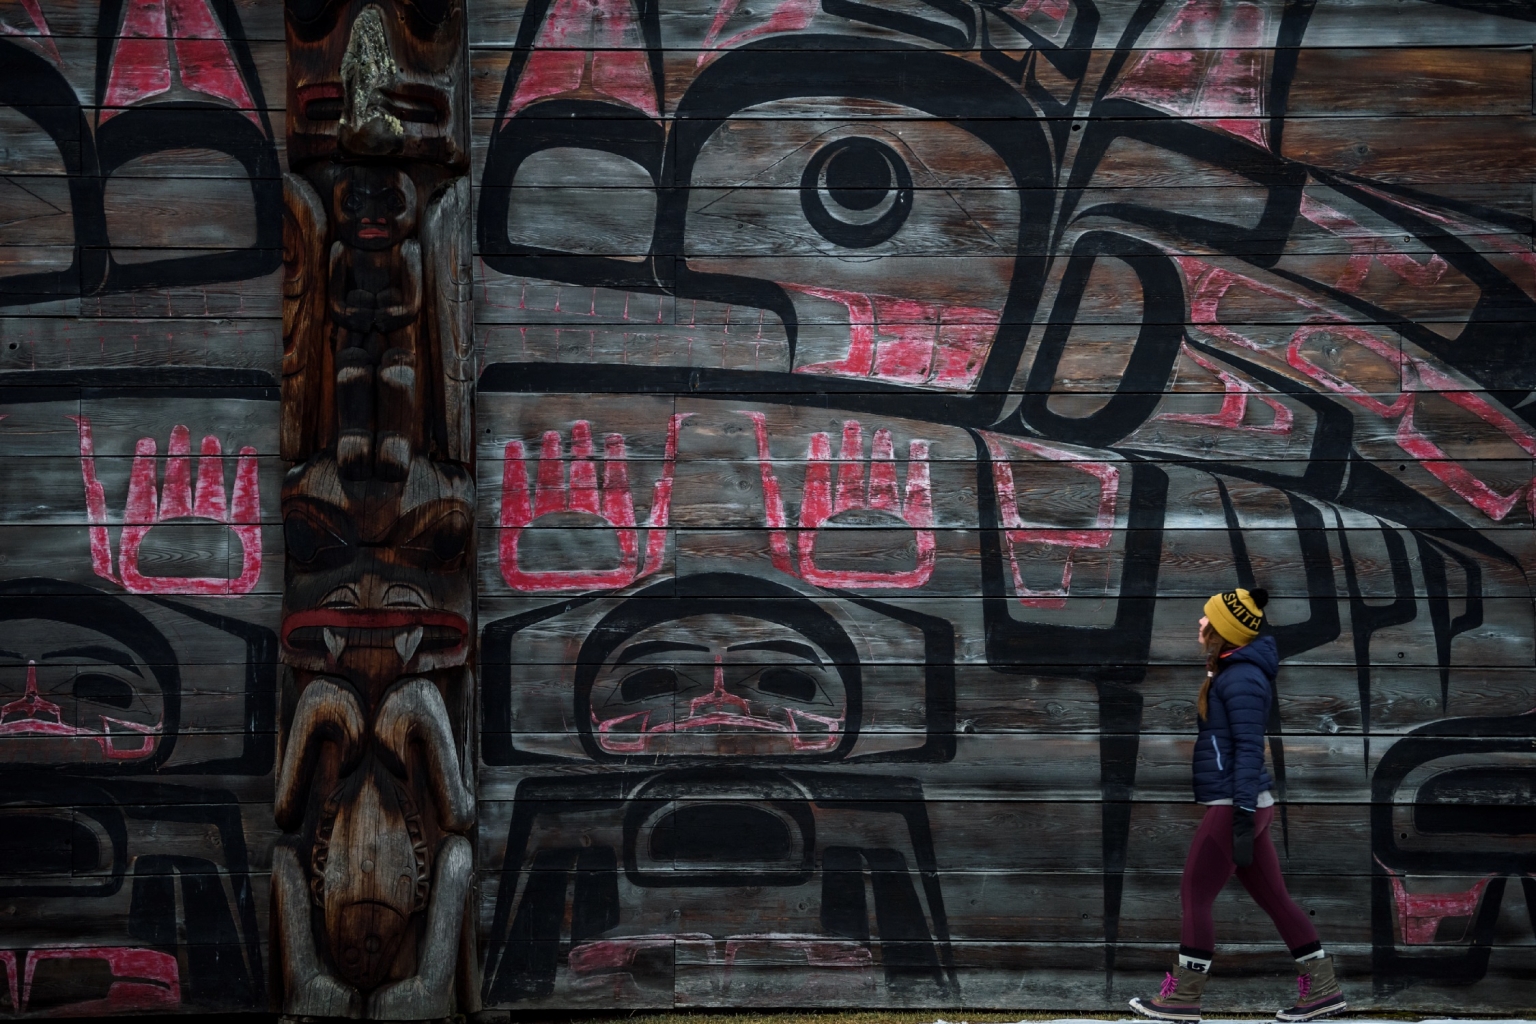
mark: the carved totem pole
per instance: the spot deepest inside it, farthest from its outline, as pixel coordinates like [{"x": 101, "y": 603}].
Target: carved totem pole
[{"x": 372, "y": 884}]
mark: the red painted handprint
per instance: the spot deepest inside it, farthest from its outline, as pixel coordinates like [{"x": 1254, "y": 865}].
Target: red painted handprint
[
  {"x": 1004, "y": 451},
  {"x": 612, "y": 501},
  {"x": 869, "y": 485},
  {"x": 177, "y": 500}
]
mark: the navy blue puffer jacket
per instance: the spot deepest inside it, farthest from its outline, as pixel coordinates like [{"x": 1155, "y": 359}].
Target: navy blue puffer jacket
[{"x": 1229, "y": 755}]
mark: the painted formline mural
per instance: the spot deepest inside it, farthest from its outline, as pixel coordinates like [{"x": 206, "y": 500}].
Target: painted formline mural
[
  {"x": 139, "y": 702},
  {"x": 906, "y": 440},
  {"x": 882, "y": 386},
  {"x": 141, "y": 543}
]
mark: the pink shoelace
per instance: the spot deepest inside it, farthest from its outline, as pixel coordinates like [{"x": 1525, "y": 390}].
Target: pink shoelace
[
  {"x": 1304, "y": 986},
  {"x": 1170, "y": 985}
]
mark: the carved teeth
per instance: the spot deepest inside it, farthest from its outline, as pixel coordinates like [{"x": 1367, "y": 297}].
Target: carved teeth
[
  {"x": 405, "y": 643},
  {"x": 334, "y": 644}
]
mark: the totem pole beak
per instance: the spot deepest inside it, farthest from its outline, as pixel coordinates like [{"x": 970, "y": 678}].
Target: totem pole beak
[{"x": 368, "y": 71}]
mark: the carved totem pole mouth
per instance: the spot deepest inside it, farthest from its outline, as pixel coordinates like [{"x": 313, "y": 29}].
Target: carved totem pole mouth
[{"x": 376, "y": 784}]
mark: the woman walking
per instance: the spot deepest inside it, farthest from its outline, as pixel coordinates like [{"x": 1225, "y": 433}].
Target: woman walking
[{"x": 1230, "y": 780}]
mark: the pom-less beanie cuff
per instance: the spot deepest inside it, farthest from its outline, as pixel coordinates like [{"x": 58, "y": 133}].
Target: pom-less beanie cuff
[{"x": 1234, "y": 615}]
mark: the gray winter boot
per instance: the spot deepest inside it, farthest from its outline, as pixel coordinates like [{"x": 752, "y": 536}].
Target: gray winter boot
[
  {"x": 1318, "y": 992},
  {"x": 1178, "y": 999}
]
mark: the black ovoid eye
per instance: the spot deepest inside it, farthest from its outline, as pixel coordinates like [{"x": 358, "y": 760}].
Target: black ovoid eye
[
  {"x": 442, "y": 544},
  {"x": 103, "y": 690},
  {"x": 313, "y": 545},
  {"x": 300, "y": 538},
  {"x": 787, "y": 682},
  {"x": 431, "y": 12},
  {"x": 448, "y": 543},
  {"x": 648, "y": 683},
  {"x": 312, "y": 19},
  {"x": 856, "y": 192}
]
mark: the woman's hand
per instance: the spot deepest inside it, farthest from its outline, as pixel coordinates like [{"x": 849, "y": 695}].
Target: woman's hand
[{"x": 1242, "y": 837}]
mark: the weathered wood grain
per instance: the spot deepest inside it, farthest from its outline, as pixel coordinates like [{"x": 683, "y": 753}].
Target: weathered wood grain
[
  {"x": 1191, "y": 562},
  {"x": 1356, "y": 80},
  {"x": 1319, "y": 769},
  {"x": 1336, "y": 505},
  {"x": 79, "y": 56},
  {"x": 1351, "y": 23},
  {"x": 574, "y": 207},
  {"x": 1503, "y": 639},
  {"x": 70, "y": 19},
  {"x": 1440, "y": 149},
  {"x": 1063, "y": 838},
  {"x": 57, "y": 343},
  {"x": 1317, "y": 700},
  {"x": 1404, "y": 81},
  {"x": 1134, "y": 164},
  {"x": 173, "y": 551},
  {"x": 237, "y": 299}
]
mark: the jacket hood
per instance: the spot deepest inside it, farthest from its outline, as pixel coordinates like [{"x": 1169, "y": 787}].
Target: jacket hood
[{"x": 1261, "y": 652}]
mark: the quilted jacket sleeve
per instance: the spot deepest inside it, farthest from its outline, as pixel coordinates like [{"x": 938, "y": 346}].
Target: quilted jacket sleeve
[{"x": 1246, "y": 694}]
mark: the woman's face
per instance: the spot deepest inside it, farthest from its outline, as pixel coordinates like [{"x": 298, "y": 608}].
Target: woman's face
[{"x": 1205, "y": 624}]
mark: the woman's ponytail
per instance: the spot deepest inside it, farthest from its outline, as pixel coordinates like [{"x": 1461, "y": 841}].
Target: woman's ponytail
[{"x": 1215, "y": 646}]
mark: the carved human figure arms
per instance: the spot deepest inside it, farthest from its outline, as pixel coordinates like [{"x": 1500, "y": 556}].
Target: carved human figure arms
[
  {"x": 306, "y": 361},
  {"x": 445, "y": 242}
]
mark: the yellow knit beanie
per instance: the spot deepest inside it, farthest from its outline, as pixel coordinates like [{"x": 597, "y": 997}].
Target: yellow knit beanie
[{"x": 1237, "y": 614}]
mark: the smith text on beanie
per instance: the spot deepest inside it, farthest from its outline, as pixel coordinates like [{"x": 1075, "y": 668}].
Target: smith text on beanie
[{"x": 1237, "y": 614}]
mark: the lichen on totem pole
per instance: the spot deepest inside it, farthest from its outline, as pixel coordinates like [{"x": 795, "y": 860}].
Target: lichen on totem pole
[{"x": 372, "y": 883}]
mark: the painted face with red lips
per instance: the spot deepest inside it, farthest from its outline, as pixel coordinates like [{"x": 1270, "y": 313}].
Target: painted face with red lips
[
  {"x": 719, "y": 685},
  {"x": 71, "y": 694}
]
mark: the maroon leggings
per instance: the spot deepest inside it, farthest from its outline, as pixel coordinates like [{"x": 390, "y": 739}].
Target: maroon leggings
[{"x": 1210, "y": 865}]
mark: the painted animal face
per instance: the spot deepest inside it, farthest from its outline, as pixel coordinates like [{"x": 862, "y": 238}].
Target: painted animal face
[
  {"x": 73, "y": 694},
  {"x": 766, "y": 136},
  {"x": 719, "y": 685}
]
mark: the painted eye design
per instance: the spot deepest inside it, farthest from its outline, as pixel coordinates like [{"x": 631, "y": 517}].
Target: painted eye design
[
  {"x": 788, "y": 683},
  {"x": 647, "y": 684},
  {"x": 104, "y": 689},
  {"x": 856, "y": 192}
]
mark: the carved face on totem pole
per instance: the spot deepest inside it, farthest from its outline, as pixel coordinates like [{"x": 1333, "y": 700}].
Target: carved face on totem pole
[
  {"x": 371, "y": 885},
  {"x": 374, "y": 208},
  {"x": 377, "y": 80}
]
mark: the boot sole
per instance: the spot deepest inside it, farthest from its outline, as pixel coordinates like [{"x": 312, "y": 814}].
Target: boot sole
[
  {"x": 1146, "y": 1011},
  {"x": 1317, "y": 1014}
]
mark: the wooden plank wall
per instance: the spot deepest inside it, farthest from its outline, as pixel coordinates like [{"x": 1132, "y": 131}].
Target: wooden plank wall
[
  {"x": 140, "y": 550},
  {"x": 949, "y": 354},
  {"x": 971, "y": 346}
]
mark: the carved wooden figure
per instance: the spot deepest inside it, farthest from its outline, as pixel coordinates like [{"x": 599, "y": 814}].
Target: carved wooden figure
[
  {"x": 375, "y": 300},
  {"x": 372, "y": 884}
]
